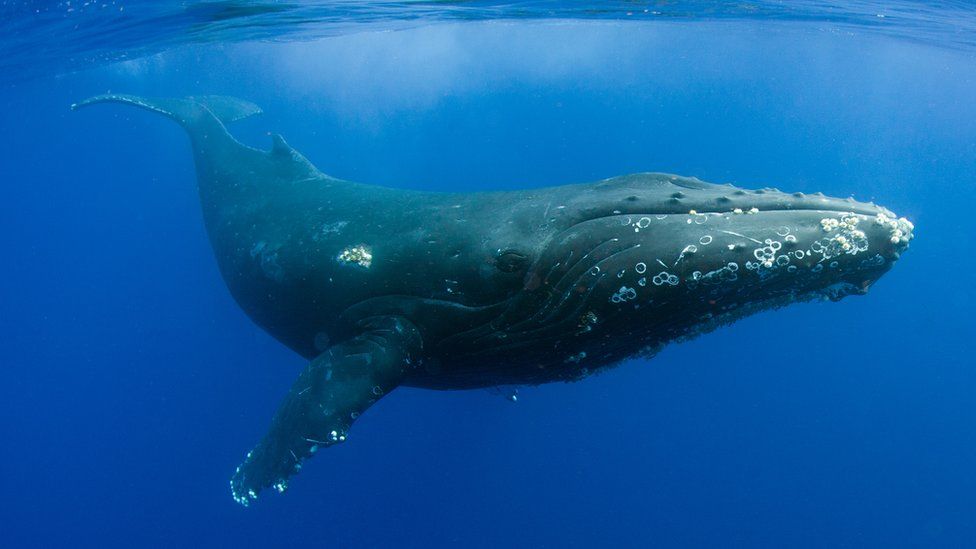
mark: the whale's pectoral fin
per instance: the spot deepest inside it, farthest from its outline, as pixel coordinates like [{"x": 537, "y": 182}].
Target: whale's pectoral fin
[{"x": 329, "y": 395}]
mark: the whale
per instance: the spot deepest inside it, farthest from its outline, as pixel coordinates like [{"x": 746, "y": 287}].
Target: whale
[{"x": 384, "y": 287}]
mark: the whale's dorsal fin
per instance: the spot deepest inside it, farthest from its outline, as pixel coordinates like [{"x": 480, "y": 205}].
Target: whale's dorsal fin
[
  {"x": 280, "y": 146},
  {"x": 286, "y": 155}
]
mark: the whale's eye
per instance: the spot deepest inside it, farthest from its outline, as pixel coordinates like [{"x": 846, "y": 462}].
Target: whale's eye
[{"x": 510, "y": 261}]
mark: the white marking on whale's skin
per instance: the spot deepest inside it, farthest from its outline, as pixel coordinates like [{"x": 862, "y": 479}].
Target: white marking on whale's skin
[
  {"x": 360, "y": 255},
  {"x": 689, "y": 249},
  {"x": 665, "y": 277},
  {"x": 740, "y": 236},
  {"x": 327, "y": 229},
  {"x": 623, "y": 294}
]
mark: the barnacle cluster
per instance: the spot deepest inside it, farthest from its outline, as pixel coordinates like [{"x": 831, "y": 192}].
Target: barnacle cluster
[
  {"x": 899, "y": 230},
  {"x": 727, "y": 273},
  {"x": 586, "y": 322},
  {"x": 846, "y": 237},
  {"x": 766, "y": 254},
  {"x": 665, "y": 277},
  {"x": 358, "y": 255},
  {"x": 623, "y": 294}
]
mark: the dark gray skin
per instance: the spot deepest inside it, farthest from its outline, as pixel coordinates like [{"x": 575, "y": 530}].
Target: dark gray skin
[{"x": 383, "y": 287}]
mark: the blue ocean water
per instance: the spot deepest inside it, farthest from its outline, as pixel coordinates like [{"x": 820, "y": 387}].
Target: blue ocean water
[{"x": 132, "y": 384}]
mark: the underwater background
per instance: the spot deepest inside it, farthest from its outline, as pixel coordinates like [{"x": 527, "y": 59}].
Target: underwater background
[{"x": 131, "y": 384}]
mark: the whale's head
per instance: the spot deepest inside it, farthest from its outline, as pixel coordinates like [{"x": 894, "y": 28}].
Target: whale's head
[{"x": 647, "y": 259}]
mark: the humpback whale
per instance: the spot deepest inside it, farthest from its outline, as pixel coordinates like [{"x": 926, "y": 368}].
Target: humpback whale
[{"x": 380, "y": 287}]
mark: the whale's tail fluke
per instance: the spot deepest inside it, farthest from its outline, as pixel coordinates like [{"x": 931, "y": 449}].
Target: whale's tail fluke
[
  {"x": 203, "y": 118},
  {"x": 185, "y": 111},
  {"x": 222, "y": 162}
]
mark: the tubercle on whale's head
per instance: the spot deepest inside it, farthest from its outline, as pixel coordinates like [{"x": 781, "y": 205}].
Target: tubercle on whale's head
[{"x": 679, "y": 257}]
